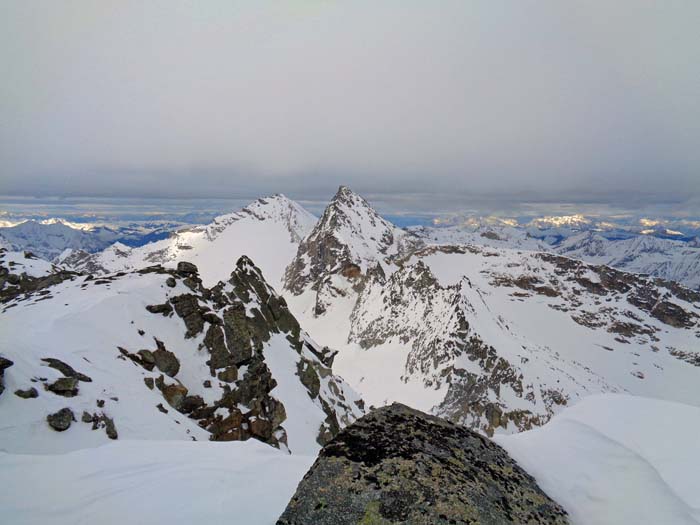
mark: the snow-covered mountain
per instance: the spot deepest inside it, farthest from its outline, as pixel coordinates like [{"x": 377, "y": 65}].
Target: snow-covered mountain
[
  {"x": 498, "y": 339},
  {"x": 483, "y": 233},
  {"x": 268, "y": 231},
  {"x": 349, "y": 243},
  {"x": 49, "y": 239},
  {"x": 636, "y": 252},
  {"x": 153, "y": 354},
  {"x": 668, "y": 259}
]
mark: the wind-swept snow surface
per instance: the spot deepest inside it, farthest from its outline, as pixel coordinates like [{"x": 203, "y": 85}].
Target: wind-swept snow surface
[
  {"x": 150, "y": 482},
  {"x": 609, "y": 460},
  {"x": 617, "y": 460}
]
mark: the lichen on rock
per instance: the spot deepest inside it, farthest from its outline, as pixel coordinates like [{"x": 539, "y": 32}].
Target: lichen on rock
[{"x": 399, "y": 465}]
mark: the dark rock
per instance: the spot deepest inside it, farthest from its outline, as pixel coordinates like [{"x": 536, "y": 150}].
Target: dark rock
[
  {"x": 166, "y": 309},
  {"x": 229, "y": 428},
  {"x": 87, "y": 417},
  {"x": 206, "y": 384},
  {"x": 61, "y": 420},
  {"x": 100, "y": 403},
  {"x": 238, "y": 334},
  {"x": 228, "y": 374},
  {"x": 4, "y": 365},
  {"x": 148, "y": 360},
  {"x": 399, "y": 465},
  {"x": 65, "y": 386},
  {"x": 215, "y": 342},
  {"x": 187, "y": 307},
  {"x": 186, "y": 269},
  {"x": 27, "y": 394},
  {"x": 149, "y": 382},
  {"x": 160, "y": 407},
  {"x": 66, "y": 369},
  {"x": 26, "y": 285},
  {"x": 170, "y": 282},
  {"x": 190, "y": 404},
  {"x": 260, "y": 428},
  {"x": 166, "y": 362},
  {"x": 110, "y": 429},
  {"x": 175, "y": 395},
  {"x": 309, "y": 377}
]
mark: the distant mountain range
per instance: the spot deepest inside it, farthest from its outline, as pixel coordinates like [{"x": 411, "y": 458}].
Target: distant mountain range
[{"x": 51, "y": 237}]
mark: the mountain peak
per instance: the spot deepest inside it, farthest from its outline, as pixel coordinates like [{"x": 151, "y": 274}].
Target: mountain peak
[
  {"x": 349, "y": 239},
  {"x": 345, "y": 196}
]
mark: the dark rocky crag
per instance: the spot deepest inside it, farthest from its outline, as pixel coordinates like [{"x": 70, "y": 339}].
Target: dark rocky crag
[
  {"x": 399, "y": 465},
  {"x": 14, "y": 282},
  {"x": 237, "y": 318},
  {"x": 331, "y": 249}
]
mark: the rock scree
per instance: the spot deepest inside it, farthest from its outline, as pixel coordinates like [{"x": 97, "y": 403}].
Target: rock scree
[{"x": 399, "y": 465}]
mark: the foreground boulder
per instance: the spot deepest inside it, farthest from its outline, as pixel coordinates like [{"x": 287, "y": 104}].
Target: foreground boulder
[
  {"x": 61, "y": 420},
  {"x": 399, "y": 465}
]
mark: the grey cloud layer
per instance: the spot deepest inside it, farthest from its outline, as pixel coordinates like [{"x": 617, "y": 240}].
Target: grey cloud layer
[{"x": 210, "y": 98}]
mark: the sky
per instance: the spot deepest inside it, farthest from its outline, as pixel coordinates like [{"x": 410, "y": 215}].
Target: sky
[{"x": 425, "y": 103}]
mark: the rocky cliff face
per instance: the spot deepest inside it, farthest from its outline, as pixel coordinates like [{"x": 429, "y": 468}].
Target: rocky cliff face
[
  {"x": 399, "y": 465},
  {"x": 497, "y": 339},
  {"x": 489, "y": 330},
  {"x": 154, "y": 354},
  {"x": 349, "y": 243}
]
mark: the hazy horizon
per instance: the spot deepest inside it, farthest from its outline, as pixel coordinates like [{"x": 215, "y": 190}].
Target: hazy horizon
[{"x": 438, "y": 103}]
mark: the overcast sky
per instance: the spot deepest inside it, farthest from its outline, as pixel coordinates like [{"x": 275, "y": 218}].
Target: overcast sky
[{"x": 578, "y": 101}]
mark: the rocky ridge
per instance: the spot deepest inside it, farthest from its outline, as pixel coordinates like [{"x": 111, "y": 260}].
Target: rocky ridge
[
  {"x": 230, "y": 359},
  {"x": 349, "y": 243}
]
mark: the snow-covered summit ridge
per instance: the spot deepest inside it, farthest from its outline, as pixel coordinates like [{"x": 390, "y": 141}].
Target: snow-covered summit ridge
[
  {"x": 268, "y": 231},
  {"x": 277, "y": 208}
]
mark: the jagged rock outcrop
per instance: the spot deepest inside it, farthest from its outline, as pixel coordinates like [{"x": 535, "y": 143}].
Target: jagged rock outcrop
[
  {"x": 350, "y": 241},
  {"x": 399, "y": 465},
  {"x": 25, "y": 275},
  {"x": 241, "y": 316},
  {"x": 228, "y": 362}
]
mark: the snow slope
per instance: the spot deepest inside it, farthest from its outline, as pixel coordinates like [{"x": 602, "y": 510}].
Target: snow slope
[
  {"x": 267, "y": 230},
  {"x": 608, "y": 460},
  {"x": 97, "y": 326},
  {"x": 617, "y": 460},
  {"x": 146, "y": 482},
  {"x": 26, "y": 263}
]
